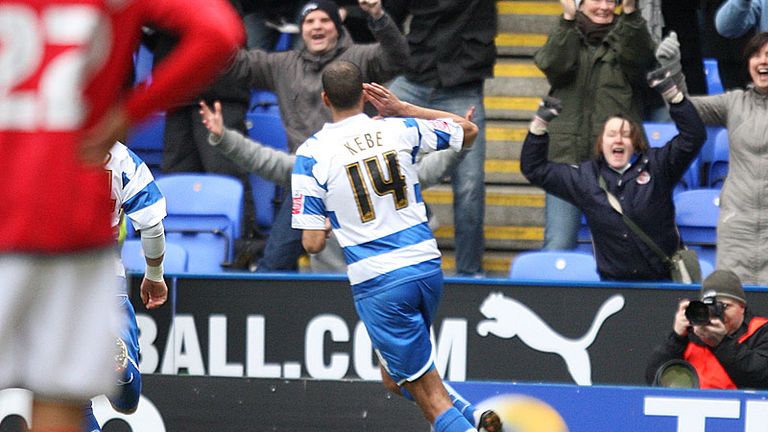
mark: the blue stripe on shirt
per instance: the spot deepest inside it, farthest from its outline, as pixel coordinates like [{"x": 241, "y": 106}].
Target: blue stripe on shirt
[
  {"x": 379, "y": 283},
  {"x": 313, "y": 206},
  {"x": 417, "y": 193},
  {"x": 407, "y": 237},
  {"x": 135, "y": 158},
  {"x": 304, "y": 165},
  {"x": 443, "y": 139},
  {"x": 145, "y": 198},
  {"x": 334, "y": 220},
  {"x": 410, "y": 122}
]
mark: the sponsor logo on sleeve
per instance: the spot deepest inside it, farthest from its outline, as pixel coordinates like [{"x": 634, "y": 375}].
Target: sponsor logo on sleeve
[
  {"x": 441, "y": 125},
  {"x": 298, "y": 204}
]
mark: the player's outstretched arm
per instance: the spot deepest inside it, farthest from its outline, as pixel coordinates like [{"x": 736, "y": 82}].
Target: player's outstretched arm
[
  {"x": 389, "y": 105},
  {"x": 154, "y": 291}
]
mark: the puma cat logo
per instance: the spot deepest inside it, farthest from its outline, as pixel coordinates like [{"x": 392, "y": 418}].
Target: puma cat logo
[{"x": 508, "y": 318}]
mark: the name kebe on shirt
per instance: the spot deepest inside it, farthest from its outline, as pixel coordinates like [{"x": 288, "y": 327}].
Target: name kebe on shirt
[{"x": 364, "y": 142}]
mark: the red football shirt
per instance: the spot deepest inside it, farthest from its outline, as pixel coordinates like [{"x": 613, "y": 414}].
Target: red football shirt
[{"x": 63, "y": 64}]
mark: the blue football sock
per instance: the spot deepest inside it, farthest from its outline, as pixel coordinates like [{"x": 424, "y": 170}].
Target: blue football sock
[
  {"x": 452, "y": 421},
  {"x": 129, "y": 389},
  {"x": 89, "y": 422},
  {"x": 462, "y": 405}
]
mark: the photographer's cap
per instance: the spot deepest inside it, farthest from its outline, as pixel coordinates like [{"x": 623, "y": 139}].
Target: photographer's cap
[{"x": 723, "y": 283}]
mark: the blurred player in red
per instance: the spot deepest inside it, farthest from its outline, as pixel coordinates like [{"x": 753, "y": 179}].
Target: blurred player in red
[{"x": 63, "y": 65}]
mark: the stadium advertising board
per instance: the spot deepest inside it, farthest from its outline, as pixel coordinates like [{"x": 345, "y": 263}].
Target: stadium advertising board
[
  {"x": 203, "y": 404},
  {"x": 307, "y": 328}
]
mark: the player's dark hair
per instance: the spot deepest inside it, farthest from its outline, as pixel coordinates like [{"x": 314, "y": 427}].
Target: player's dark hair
[{"x": 343, "y": 83}]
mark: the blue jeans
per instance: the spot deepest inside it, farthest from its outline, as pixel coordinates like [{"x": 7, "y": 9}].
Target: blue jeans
[
  {"x": 469, "y": 177},
  {"x": 562, "y": 224},
  {"x": 284, "y": 243}
]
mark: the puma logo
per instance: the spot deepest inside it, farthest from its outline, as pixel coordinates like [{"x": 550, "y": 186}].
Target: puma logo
[{"x": 508, "y": 318}]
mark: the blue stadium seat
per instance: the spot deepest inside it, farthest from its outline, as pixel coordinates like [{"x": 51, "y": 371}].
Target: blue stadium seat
[
  {"x": 204, "y": 216},
  {"x": 714, "y": 85},
  {"x": 146, "y": 140},
  {"x": 555, "y": 265},
  {"x": 584, "y": 237},
  {"x": 284, "y": 42},
  {"x": 718, "y": 167},
  {"x": 263, "y": 101},
  {"x": 707, "y": 151},
  {"x": 706, "y": 253},
  {"x": 267, "y": 129},
  {"x": 697, "y": 212},
  {"x": 659, "y": 134},
  {"x": 174, "y": 261},
  {"x": 706, "y": 268}
]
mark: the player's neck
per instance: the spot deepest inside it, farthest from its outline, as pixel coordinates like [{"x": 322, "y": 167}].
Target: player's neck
[{"x": 339, "y": 115}]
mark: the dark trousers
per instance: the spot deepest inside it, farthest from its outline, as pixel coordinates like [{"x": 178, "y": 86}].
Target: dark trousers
[{"x": 284, "y": 243}]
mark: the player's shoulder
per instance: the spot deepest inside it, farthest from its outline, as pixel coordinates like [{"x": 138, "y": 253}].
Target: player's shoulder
[
  {"x": 118, "y": 153},
  {"x": 123, "y": 157},
  {"x": 310, "y": 146}
]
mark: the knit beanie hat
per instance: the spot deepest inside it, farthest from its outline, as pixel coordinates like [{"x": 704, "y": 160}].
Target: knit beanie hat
[
  {"x": 327, "y": 6},
  {"x": 723, "y": 283}
]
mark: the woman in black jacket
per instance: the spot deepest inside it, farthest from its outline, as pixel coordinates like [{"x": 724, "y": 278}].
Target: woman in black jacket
[{"x": 641, "y": 178}]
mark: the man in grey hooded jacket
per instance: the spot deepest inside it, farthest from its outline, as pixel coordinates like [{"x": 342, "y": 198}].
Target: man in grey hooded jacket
[{"x": 295, "y": 77}]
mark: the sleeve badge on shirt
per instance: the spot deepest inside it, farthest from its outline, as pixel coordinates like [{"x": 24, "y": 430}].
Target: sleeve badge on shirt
[
  {"x": 298, "y": 204},
  {"x": 441, "y": 125}
]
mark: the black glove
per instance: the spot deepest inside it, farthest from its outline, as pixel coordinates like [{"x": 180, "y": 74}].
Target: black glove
[
  {"x": 549, "y": 108},
  {"x": 663, "y": 80}
]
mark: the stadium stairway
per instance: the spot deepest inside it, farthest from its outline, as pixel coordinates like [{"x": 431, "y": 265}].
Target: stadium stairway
[{"x": 514, "y": 219}]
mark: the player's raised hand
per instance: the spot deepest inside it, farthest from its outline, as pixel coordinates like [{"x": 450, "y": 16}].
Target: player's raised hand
[
  {"x": 372, "y": 8},
  {"x": 153, "y": 293},
  {"x": 386, "y": 102},
  {"x": 470, "y": 114},
  {"x": 212, "y": 119},
  {"x": 569, "y": 9}
]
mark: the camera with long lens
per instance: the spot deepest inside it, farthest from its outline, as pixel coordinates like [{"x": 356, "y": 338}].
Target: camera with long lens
[{"x": 701, "y": 312}]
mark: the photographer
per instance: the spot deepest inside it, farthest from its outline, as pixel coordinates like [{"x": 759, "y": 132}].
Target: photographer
[{"x": 719, "y": 337}]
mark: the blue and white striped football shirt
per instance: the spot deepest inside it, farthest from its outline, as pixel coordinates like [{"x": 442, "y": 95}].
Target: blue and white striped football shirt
[
  {"x": 134, "y": 192},
  {"x": 361, "y": 174}
]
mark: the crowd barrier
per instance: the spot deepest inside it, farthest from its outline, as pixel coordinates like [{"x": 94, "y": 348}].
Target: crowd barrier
[
  {"x": 573, "y": 353},
  {"x": 204, "y": 404}
]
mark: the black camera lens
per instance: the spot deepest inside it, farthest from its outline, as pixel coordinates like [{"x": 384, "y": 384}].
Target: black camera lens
[{"x": 697, "y": 313}]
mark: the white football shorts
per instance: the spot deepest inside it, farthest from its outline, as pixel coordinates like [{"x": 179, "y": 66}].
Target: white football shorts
[{"x": 58, "y": 321}]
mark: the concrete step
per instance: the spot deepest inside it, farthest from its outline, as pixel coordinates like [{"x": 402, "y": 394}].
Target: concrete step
[
  {"x": 504, "y": 141},
  {"x": 511, "y": 107},
  {"x": 515, "y": 91},
  {"x": 514, "y": 216},
  {"x": 524, "y": 25},
  {"x": 528, "y": 16},
  {"x": 495, "y": 263},
  {"x": 518, "y": 77}
]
